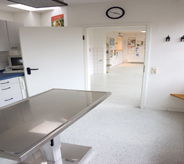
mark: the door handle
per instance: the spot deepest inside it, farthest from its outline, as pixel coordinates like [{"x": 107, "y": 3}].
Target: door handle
[{"x": 31, "y": 69}]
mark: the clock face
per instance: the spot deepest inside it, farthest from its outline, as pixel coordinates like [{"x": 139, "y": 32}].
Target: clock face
[{"x": 115, "y": 12}]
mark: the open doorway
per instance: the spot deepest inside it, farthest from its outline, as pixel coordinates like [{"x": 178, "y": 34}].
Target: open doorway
[{"x": 116, "y": 62}]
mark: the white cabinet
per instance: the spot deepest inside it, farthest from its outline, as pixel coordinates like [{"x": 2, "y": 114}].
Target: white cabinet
[
  {"x": 12, "y": 90},
  {"x": 13, "y": 35},
  {"x": 9, "y": 35},
  {"x": 4, "y": 42}
]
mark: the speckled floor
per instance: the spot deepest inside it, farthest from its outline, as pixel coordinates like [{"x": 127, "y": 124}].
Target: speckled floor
[{"x": 121, "y": 134}]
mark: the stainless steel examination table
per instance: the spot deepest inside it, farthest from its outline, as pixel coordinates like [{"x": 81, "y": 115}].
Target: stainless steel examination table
[{"x": 36, "y": 122}]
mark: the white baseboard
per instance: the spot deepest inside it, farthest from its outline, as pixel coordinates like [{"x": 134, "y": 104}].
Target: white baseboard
[
  {"x": 135, "y": 61},
  {"x": 176, "y": 109},
  {"x": 165, "y": 109},
  {"x": 154, "y": 108}
]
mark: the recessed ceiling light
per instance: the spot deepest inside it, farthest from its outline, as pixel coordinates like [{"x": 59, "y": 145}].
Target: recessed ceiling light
[
  {"x": 40, "y": 3},
  {"x": 28, "y": 8}
]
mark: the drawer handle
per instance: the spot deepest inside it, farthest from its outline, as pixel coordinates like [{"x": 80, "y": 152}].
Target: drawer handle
[
  {"x": 6, "y": 88},
  {"x": 5, "y": 83},
  {"x": 14, "y": 48},
  {"x": 9, "y": 99}
]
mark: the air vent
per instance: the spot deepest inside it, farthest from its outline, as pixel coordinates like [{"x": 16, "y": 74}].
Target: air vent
[{"x": 40, "y": 3}]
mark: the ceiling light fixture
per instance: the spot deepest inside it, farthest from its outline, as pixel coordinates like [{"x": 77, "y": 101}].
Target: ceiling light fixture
[
  {"x": 120, "y": 36},
  {"x": 28, "y": 8},
  {"x": 40, "y": 3},
  {"x": 143, "y": 31}
]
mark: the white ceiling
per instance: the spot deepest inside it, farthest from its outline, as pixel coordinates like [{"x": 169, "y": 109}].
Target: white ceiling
[{"x": 4, "y": 3}]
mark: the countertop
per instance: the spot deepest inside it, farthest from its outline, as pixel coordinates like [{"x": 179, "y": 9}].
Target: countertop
[{"x": 4, "y": 76}]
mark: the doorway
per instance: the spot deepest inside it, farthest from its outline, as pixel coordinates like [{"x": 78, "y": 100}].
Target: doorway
[{"x": 125, "y": 65}]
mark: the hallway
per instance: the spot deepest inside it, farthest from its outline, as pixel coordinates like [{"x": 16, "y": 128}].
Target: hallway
[{"x": 124, "y": 81}]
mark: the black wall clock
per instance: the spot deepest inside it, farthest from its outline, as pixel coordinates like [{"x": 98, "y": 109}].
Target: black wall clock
[{"x": 115, "y": 12}]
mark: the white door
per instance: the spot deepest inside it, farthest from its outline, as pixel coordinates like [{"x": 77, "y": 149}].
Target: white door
[{"x": 57, "y": 53}]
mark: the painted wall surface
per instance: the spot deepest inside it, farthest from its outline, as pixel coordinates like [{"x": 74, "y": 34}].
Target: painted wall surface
[
  {"x": 166, "y": 18},
  {"x": 46, "y": 16},
  {"x": 96, "y": 51},
  {"x": 28, "y": 18},
  {"x": 6, "y": 16}
]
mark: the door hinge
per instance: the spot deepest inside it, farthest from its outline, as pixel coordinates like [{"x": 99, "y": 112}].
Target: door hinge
[{"x": 83, "y": 37}]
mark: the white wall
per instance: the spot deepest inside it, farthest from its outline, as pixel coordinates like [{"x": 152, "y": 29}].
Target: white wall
[
  {"x": 28, "y": 18},
  {"x": 96, "y": 50},
  {"x": 6, "y": 16},
  {"x": 166, "y": 19}
]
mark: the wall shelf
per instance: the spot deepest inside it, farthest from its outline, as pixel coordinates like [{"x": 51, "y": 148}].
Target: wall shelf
[{"x": 178, "y": 96}]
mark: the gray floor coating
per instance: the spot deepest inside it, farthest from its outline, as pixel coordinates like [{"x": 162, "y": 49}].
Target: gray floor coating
[{"x": 123, "y": 134}]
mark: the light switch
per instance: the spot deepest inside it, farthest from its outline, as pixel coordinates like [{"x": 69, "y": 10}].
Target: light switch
[{"x": 154, "y": 70}]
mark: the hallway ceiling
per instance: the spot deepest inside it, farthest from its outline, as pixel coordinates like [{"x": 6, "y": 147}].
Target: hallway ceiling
[{"x": 4, "y": 3}]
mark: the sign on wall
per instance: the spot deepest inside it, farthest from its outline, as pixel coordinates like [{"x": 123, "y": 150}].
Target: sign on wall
[
  {"x": 131, "y": 45},
  {"x": 57, "y": 21}
]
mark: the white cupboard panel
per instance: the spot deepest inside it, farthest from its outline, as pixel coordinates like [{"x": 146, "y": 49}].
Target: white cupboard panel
[
  {"x": 8, "y": 81},
  {"x": 4, "y": 43},
  {"x": 9, "y": 89},
  {"x": 10, "y": 99}
]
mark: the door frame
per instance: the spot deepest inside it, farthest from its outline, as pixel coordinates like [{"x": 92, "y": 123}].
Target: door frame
[{"x": 146, "y": 57}]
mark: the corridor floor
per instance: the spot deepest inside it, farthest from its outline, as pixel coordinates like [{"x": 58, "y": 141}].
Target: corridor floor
[{"x": 124, "y": 81}]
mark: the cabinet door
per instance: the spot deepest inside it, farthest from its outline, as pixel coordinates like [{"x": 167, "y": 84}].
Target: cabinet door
[
  {"x": 4, "y": 43},
  {"x": 13, "y": 35}
]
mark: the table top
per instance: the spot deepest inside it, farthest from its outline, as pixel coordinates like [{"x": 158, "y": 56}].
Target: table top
[{"x": 29, "y": 124}]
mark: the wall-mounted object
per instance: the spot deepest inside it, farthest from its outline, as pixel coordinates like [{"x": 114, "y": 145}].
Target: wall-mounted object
[
  {"x": 57, "y": 21},
  {"x": 119, "y": 35},
  {"x": 40, "y": 4},
  {"x": 182, "y": 38},
  {"x": 168, "y": 38},
  {"x": 112, "y": 41},
  {"x": 115, "y": 13}
]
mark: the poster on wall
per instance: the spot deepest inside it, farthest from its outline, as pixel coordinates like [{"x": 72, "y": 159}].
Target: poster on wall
[
  {"x": 57, "y": 21},
  {"x": 140, "y": 43},
  {"x": 114, "y": 52},
  {"x": 112, "y": 41},
  {"x": 131, "y": 43},
  {"x": 111, "y": 53}
]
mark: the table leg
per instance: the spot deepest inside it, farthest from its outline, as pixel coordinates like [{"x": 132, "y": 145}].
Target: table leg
[
  {"x": 53, "y": 151},
  {"x": 64, "y": 153}
]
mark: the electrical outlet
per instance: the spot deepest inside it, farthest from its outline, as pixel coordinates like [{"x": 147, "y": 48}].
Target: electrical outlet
[{"x": 154, "y": 70}]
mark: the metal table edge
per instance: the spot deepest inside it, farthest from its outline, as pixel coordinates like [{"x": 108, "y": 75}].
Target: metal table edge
[{"x": 26, "y": 153}]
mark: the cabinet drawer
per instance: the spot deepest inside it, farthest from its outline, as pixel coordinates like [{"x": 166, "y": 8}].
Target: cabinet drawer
[
  {"x": 8, "y": 81},
  {"x": 10, "y": 99},
  {"x": 9, "y": 90}
]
